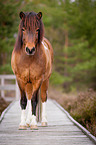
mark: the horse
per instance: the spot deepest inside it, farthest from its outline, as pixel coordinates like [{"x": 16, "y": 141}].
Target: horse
[{"x": 31, "y": 62}]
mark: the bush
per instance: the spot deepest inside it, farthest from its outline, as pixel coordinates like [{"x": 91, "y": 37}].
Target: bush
[{"x": 83, "y": 109}]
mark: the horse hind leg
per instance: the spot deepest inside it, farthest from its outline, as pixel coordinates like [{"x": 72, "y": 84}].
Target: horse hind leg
[
  {"x": 44, "y": 93},
  {"x": 44, "y": 115}
]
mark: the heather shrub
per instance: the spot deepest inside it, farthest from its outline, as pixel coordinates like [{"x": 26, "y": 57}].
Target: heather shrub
[
  {"x": 84, "y": 110},
  {"x": 82, "y": 106}
]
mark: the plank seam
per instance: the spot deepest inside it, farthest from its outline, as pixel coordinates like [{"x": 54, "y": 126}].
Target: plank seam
[{"x": 84, "y": 130}]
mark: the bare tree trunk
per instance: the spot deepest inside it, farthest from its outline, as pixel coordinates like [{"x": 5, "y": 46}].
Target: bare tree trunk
[
  {"x": 66, "y": 51},
  {"x": 3, "y": 58}
]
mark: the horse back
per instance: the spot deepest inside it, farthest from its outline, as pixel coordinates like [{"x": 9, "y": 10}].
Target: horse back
[
  {"x": 48, "y": 52},
  {"x": 49, "y": 46}
]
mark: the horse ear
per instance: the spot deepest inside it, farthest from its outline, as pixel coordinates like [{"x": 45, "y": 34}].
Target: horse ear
[
  {"x": 22, "y": 15},
  {"x": 39, "y": 15}
]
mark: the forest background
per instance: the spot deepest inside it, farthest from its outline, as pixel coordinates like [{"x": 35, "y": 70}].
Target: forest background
[{"x": 70, "y": 26}]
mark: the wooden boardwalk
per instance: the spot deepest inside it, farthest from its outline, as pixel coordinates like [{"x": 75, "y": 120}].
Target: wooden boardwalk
[{"x": 60, "y": 130}]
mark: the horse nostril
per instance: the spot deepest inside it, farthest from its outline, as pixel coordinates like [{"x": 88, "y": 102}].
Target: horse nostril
[
  {"x": 30, "y": 51},
  {"x": 27, "y": 49},
  {"x": 33, "y": 49}
]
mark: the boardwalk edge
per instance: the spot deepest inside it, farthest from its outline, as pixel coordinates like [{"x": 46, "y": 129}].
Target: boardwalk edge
[
  {"x": 84, "y": 130},
  {"x": 5, "y": 111}
]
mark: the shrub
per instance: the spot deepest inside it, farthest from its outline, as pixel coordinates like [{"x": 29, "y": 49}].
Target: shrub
[{"x": 83, "y": 109}]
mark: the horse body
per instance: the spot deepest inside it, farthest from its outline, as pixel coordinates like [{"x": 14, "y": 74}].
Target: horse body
[
  {"x": 32, "y": 71},
  {"x": 32, "y": 64}
]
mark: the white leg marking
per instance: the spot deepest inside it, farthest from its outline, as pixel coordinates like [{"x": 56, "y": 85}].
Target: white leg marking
[
  {"x": 44, "y": 116},
  {"x": 33, "y": 120},
  {"x": 28, "y": 121},
  {"x": 23, "y": 118},
  {"x": 33, "y": 124}
]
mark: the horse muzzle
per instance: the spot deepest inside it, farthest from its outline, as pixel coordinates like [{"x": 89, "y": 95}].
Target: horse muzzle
[{"x": 30, "y": 51}]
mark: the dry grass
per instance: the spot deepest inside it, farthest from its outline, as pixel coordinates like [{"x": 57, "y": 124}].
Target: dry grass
[
  {"x": 85, "y": 110},
  {"x": 3, "y": 104},
  {"x": 82, "y": 107}
]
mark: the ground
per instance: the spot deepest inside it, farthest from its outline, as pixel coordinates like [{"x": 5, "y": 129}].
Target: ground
[
  {"x": 3, "y": 104},
  {"x": 81, "y": 106}
]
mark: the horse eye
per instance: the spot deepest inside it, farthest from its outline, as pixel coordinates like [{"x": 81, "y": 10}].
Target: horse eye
[
  {"x": 37, "y": 30},
  {"x": 23, "y": 29}
]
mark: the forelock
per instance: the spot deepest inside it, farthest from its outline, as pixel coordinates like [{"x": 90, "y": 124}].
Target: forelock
[{"x": 31, "y": 21}]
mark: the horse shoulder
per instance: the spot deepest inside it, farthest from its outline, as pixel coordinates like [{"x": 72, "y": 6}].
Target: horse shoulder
[{"x": 14, "y": 60}]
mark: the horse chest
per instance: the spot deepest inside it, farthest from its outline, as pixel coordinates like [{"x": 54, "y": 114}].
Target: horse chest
[{"x": 29, "y": 71}]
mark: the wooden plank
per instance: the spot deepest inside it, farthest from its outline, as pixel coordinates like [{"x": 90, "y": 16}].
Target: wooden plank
[
  {"x": 8, "y": 87},
  {"x": 60, "y": 130},
  {"x": 2, "y": 92},
  {"x": 4, "y": 87},
  {"x": 17, "y": 91},
  {"x": 8, "y": 76},
  {"x": 77, "y": 124}
]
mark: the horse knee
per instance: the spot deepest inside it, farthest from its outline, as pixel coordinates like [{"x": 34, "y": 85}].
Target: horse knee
[
  {"x": 34, "y": 102},
  {"x": 44, "y": 90},
  {"x": 44, "y": 96}
]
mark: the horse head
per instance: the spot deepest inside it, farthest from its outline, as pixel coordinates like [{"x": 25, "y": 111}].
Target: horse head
[{"x": 31, "y": 32}]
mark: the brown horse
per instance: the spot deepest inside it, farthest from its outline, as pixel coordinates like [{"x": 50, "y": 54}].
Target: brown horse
[{"x": 31, "y": 62}]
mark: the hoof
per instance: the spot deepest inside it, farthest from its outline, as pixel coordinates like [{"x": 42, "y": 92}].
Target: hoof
[
  {"x": 22, "y": 127},
  {"x": 34, "y": 127},
  {"x": 44, "y": 124}
]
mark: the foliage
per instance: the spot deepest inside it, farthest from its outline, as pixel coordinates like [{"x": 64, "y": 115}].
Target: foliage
[
  {"x": 6, "y": 69},
  {"x": 56, "y": 78}
]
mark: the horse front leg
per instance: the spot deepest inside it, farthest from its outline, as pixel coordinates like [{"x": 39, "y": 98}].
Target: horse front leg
[
  {"x": 44, "y": 93},
  {"x": 23, "y": 103},
  {"x": 34, "y": 102}
]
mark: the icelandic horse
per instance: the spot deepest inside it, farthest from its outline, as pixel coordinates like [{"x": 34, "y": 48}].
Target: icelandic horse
[{"x": 31, "y": 62}]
